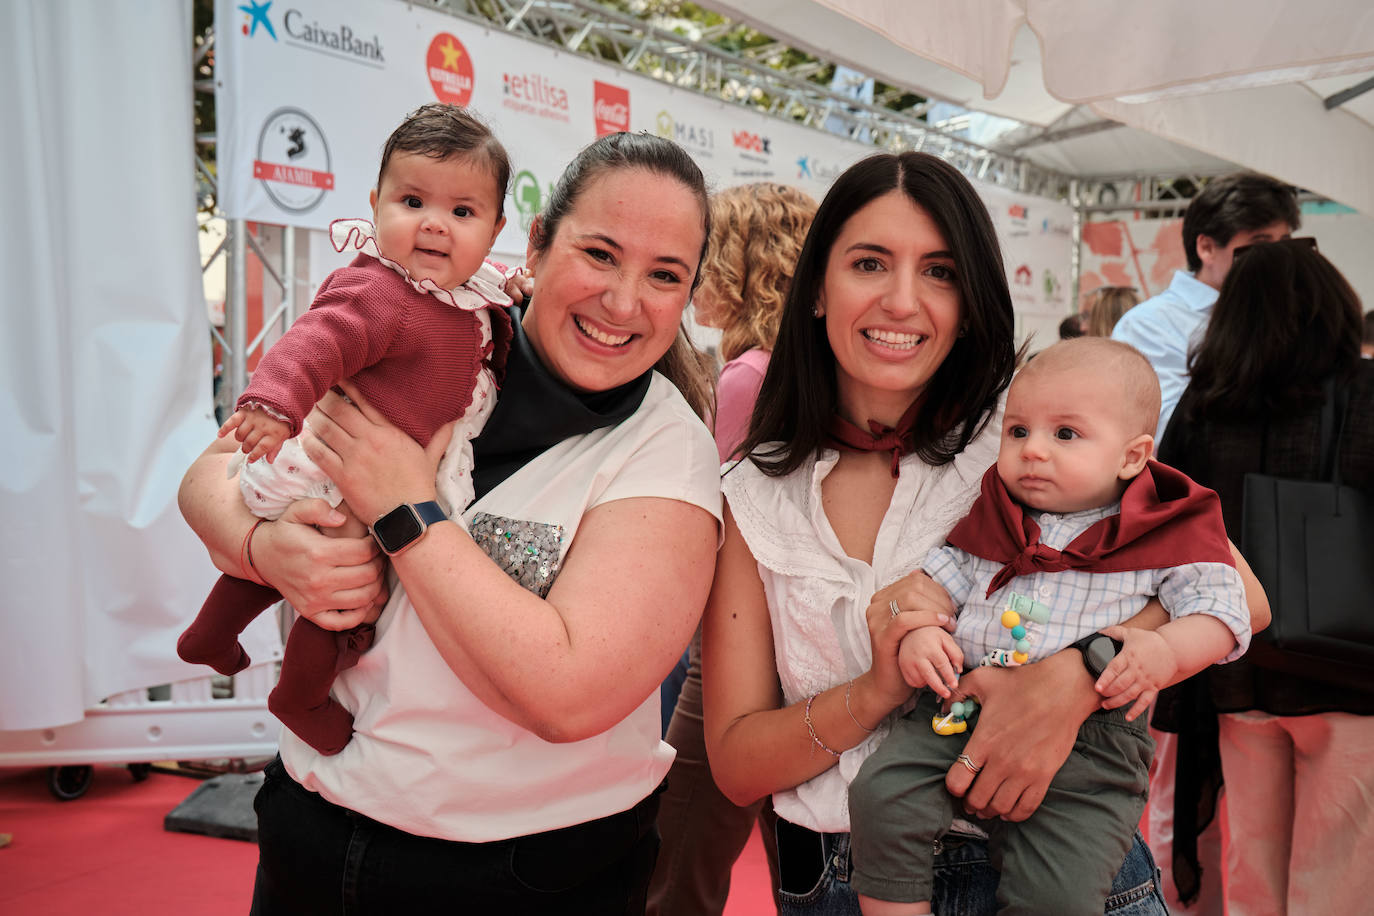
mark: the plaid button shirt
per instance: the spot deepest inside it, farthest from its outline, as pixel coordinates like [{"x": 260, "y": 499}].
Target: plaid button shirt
[{"x": 1080, "y": 602}]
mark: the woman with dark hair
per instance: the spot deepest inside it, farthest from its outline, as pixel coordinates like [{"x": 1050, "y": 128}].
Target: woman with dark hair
[
  {"x": 1294, "y": 751},
  {"x": 507, "y": 756},
  {"x": 757, "y": 231},
  {"x": 877, "y": 418}
]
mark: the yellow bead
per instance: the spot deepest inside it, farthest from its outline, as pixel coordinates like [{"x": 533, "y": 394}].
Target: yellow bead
[
  {"x": 1020, "y": 657},
  {"x": 1010, "y": 619},
  {"x": 947, "y": 725}
]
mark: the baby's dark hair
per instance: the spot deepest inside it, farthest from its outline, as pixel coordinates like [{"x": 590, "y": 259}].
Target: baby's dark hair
[{"x": 448, "y": 132}]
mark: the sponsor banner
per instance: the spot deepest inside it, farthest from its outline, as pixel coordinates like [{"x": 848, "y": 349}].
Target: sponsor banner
[
  {"x": 309, "y": 90},
  {"x": 1037, "y": 240},
  {"x": 611, "y": 108}
]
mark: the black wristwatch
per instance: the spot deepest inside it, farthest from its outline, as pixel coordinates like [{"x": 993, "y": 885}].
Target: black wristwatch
[
  {"x": 405, "y": 524},
  {"x": 1098, "y": 651}
]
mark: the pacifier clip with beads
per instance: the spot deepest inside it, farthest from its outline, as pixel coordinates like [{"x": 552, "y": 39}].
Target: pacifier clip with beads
[{"x": 1019, "y": 609}]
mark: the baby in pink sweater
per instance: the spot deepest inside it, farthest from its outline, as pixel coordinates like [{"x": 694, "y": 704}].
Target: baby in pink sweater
[{"x": 409, "y": 322}]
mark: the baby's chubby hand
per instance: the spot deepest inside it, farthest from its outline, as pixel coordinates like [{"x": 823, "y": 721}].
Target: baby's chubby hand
[
  {"x": 261, "y": 433},
  {"x": 1144, "y": 665},
  {"x": 929, "y": 657}
]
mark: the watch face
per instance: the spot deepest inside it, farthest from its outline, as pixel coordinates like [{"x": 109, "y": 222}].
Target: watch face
[
  {"x": 1099, "y": 654},
  {"x": 397, "y": 528}
]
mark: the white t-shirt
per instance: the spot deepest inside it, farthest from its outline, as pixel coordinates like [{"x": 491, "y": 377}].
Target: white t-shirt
[
  {"x": 818, "y": 594},
  {"x": 430, "y": 758}
]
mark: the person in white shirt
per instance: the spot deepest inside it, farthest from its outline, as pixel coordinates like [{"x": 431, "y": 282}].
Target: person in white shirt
[
  {"x": 1230, "y": 212},
  {"x": 879, "y": 413},
  {"x": 507, "y": 754}
]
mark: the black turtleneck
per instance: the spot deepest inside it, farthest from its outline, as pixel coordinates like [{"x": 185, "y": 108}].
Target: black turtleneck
[{"x": 535, "y": 411}]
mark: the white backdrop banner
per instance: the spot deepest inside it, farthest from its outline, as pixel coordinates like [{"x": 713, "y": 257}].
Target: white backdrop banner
[
  {"x": 105, "y": 353},
  {"x": 307, "y": 92}
]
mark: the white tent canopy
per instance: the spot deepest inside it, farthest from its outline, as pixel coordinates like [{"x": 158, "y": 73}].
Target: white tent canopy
[{"x": 1199, "y": 83}]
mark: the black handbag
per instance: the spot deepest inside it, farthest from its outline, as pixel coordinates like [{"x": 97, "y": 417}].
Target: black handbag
[{"x": 1311, "y": 544}]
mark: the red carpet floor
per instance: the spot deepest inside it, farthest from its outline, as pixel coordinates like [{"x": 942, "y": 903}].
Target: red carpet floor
[{"x": 107, "y": 853}]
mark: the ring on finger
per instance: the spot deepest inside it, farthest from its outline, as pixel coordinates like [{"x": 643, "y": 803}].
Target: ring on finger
[
  {"x": 893, "y": 606},
  {"x": 968, "y": 763}
]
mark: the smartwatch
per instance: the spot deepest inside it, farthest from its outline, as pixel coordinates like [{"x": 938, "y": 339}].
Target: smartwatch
[
  {"x": 1098, "y": 651},
  {"x": 404, "y": 525}
]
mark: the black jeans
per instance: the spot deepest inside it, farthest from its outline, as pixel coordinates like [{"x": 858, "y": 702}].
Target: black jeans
[{"x": 315, "y": 858}]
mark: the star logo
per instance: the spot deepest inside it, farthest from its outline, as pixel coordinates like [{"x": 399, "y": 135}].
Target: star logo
[
  {"x": 449, "y": 68},
  {"x": 451, "y": 55},
  {"x": 258, "y": 12}
]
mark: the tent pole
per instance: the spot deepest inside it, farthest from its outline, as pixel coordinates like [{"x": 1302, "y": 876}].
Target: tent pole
[
  {"x": 1076, "y": 250},
  {"x": 236, "y": 310},
  {"x": 288, "y": 277}
]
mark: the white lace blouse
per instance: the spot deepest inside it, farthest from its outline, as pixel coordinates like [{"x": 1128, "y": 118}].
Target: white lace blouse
[{"x": 817, "y": 594}]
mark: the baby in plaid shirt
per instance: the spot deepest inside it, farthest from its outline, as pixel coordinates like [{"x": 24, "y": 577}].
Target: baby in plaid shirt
[{"x": 1074, "y": 530}]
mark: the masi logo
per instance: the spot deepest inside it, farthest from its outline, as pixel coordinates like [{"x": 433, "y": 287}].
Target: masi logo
[
  {"x": 612, "y": 110},
  {"x": 692, "y": 136}
]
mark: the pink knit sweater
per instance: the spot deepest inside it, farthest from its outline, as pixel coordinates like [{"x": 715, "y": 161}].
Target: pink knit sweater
[{"x": 413, "y": 357}]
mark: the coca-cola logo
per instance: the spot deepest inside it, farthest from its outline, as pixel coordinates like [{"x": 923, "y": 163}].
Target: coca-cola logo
[
  {"x": 612, "y": 109},
  {"x": 614, "y": 112}
]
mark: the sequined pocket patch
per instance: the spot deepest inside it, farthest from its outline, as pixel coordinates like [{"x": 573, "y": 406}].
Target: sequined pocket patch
[{"x": 529, "y": 552}]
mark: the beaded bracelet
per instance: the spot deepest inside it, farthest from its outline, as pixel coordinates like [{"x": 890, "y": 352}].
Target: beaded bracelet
[
  {"x": 854, "y": 718},
  {"x": 250, "y": 572},
  {"x": 811, "y": 727}
]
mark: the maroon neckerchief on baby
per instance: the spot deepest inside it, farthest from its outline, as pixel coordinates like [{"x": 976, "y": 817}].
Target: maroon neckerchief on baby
[
  {"x": 1165, "y": 520},
  {"x": 896, "y": 440}
]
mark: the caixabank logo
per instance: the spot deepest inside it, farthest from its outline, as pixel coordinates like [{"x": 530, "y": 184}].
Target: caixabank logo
[
  {"x": 449, "y": 68},
  {"x": 611, "y": 108},
  {"x": 292, "y": 161},
  {"x": 534, "y": 94},
  {"x": 813, "y": 168},
  {"x": 303, "y": 30},
  {"x": 696, "y": 138}
]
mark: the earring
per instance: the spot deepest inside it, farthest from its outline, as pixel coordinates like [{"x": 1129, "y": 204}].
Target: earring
[
  {"x": 816, "y": 311},
  {"x": 963, "y": 329}
]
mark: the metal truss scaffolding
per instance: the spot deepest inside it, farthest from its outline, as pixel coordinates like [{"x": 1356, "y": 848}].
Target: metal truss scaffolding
[
  {"x": 592, "y": 30},
  {"x": 747, "y": 79}
]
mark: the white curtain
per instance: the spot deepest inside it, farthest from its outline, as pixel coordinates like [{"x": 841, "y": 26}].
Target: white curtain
[{"x": 104, "y": 352}]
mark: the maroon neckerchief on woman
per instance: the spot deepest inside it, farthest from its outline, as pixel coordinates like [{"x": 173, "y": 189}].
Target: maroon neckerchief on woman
[
  {"x": 896, "y": 440},
  {"x": 1165, "y": 520}
]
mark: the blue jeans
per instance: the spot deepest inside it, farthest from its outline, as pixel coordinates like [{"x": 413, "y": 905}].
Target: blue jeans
[
  {"x": 966, "y": 883},
  {"x": 318, "y": 858}
]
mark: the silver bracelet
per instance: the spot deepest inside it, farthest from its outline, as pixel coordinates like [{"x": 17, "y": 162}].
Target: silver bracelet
[
  {"x": 852, "y": 717},
  {"x": 811, "y": 727}
]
